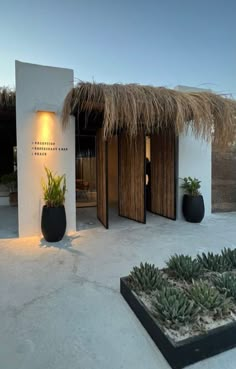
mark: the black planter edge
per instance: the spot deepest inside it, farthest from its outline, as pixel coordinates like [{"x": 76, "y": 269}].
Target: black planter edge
[{"x": 188, "y": 351}]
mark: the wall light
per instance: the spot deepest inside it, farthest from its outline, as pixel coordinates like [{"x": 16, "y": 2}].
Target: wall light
[
  {"x": 46, "y": 123},
  {"x": 46, "y": 115},
  {"x": 43, "y": 107}
]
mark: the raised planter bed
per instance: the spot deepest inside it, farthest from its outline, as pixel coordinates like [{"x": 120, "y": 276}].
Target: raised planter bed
[{"x": 188, "y": 351}]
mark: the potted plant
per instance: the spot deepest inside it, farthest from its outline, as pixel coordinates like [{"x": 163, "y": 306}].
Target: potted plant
[
  {"x": 193, "y": 203},
  {"x": 10, "y": 181},
  {"x": 53, "y": 222}
]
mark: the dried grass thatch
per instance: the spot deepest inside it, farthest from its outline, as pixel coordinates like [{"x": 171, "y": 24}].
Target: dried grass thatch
[
  {"x": 7, "y": 98},
  {"x": 134, "y": 106}
]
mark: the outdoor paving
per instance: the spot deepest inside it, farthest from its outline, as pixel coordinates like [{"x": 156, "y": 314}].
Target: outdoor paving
[{"x": 60, "y": 304}]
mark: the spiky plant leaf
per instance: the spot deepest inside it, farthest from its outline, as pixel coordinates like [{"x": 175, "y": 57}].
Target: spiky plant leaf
[
  {"x": 184, "y": 267},
  {"x": 226, "y": 284},
  {"x": 54, "y": 189},
  {"x": 213, "y": 262},
  {"x": 208, "y": 298},
  {"x": 229, "y": 256},
  {"x": 174, "y": 308},
  {"x": 146, "y": 278}
]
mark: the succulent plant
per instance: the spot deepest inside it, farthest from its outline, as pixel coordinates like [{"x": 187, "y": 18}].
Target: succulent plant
[
  {"x": 146, "y": 278},
  {"x": 229, "y": 256},
  {"x": 184, "y": 267},
  {"x": 226, "y": 283},
  {"x": 173, "y": 307},
  {"x": 209, "y": 298},
  {"x": 213, "y": 262}
]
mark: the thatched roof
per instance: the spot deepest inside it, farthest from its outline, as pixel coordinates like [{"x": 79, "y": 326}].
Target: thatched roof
[
  {"x": 7, "y": 98},
  {"x": 134, "y": 106}
]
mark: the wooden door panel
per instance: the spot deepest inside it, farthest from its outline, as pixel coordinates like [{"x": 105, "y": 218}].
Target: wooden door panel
[
  {"x": 163, "y": 174},
  {"x": 132, "y": 158},
  {"x": 102, "y": 177}
]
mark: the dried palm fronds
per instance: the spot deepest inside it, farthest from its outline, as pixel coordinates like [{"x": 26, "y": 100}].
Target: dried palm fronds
[{"x": 133, "y": 106}]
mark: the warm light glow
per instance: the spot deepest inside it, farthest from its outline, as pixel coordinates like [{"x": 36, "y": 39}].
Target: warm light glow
[{"x": 45, "y": 123}]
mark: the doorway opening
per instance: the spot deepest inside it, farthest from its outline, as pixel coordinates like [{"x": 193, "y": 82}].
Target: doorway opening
[
  {"x": 86, "y": 195},
  {"x": 125, "y": 177},
  {"x": 85, "y": 186}
]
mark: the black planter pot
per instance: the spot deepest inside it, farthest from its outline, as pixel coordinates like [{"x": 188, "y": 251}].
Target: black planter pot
[
  {"x": 53, "y": 223},
  {"x": 193, "y": 208}
]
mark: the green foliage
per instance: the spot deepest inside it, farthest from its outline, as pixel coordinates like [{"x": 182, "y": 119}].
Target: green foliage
[
  {"x": 176, "y": 303},
  {"x": 213, "y": 262},
  {"x": 191, "y": 186},
  {"x": 229, "y": 257},
  {"x": 184, "y": 267},
  {"x": 54, "y": 190},
  {"x": 209, "y": 298},
  {"x": 146, "y": 278},
  {"x": 10, "y": 181},
  {"x": 174, "y": 308},
  {"x": 226, "y": 284}
]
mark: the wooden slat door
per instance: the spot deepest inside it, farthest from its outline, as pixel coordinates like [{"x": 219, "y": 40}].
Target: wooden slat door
[
  {"x": 163, "y": 174},
  {"x": 131, "y": 163},
  {"x": 102, "y": 177}
]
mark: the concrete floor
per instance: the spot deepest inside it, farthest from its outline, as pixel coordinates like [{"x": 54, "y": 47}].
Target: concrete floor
[
  {"x": 8, "y": 222},
  {"x": 60, "y": 304}
]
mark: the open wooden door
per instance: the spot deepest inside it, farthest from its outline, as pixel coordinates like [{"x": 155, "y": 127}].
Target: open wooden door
[
  {"x": 163, "y": 174},
  {"x": 102, "y": 177},
  {"x": 131, "y": 165}
]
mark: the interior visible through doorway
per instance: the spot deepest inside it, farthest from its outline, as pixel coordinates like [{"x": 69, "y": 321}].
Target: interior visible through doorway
[
  {"x": 86, "y": 179},
  {"x": 86, "y": 195}
]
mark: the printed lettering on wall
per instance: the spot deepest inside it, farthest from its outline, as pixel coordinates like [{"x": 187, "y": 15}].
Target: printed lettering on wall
[{"x": 43, "y": 148}]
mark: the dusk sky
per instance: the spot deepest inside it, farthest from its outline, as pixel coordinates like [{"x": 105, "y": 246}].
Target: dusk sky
[{"x": 167, "y": 43}]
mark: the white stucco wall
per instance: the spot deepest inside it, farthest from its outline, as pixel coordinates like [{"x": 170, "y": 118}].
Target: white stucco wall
[
  {"x": 194, "y": 161},
  {"x": 42, "y": 88}
]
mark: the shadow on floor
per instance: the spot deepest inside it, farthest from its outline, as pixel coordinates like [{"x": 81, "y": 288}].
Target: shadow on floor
[{"x": 65, "y": 244}]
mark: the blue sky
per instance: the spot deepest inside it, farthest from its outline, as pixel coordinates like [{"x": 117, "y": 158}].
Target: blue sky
[{"x": 168, "y": 42}]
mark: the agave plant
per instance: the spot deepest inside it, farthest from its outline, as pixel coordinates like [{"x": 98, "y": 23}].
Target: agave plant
[
  {"x": 213, "y": 262},
  {"x": 54, "y": 190},
  {"x": 174, "y": 308},
  {"x": 208, "y": 298},
  {"x": 226, "y": 284},
  {"x": 229, "y": 256},
  {"x": 146, "y": 278},
  {"x": 184, "y": 267}
]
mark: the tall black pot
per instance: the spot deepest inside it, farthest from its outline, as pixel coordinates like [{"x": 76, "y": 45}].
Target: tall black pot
[
  {"x": 193, "y": 208},
  {"x": 53, "y": 223}
]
